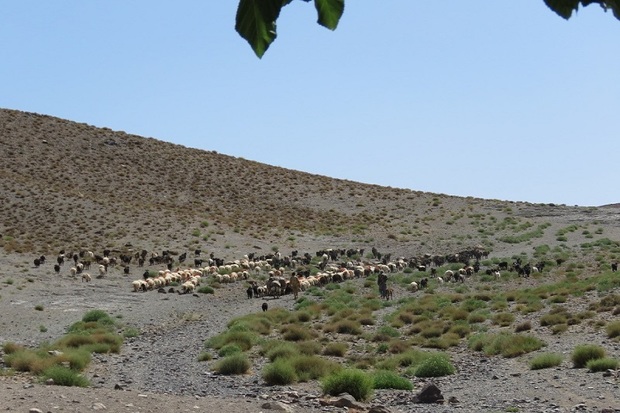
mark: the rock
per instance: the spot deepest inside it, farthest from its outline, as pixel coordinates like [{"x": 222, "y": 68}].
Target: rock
[
  {"x": 99, "y": 406},
  {"x": 379, "y": 409},
  {"x": 35, "y": 410},
  {"x": 279, "y": 406},
  {"x": 343, "y": 400},
  {"x": 430, "y": 393},
  {"x": 118, "y": 387},
  {"x": 49, "y": 382}
]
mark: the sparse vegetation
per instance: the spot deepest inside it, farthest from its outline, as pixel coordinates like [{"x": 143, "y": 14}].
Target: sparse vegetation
[
  {"x": 333, "y": 325},
  {"x": 357, "y": 383},
  {"x": 545, "y": 361},
  {"x": 585, "y": 353}
]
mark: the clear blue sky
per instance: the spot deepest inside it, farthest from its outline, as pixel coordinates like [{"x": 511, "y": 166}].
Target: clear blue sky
[{"x": 491, "y": 99}]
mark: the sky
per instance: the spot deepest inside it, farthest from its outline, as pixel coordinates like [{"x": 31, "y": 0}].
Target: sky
[{"x": 481, "y": 98}]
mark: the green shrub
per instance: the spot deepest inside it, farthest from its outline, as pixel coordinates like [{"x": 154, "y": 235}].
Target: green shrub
[
  {"x": 613, "y": 329},
  {"x": 38, "y": 307},
  {"x": 503, "y": 319},
  {"x": 235, "y": 364},
  {"x": 312, "y": 367},
  {"x": 78, "y": 359},
  {"x": 602, "y": 364},
  {"x": 244, "y": 339},
  {"x": 296, "y": 333},
  {"x": 385, "y": 379},
  {"x": 280, "y": 372},
  {"x": 335, "y": 349},
  {"x": 205, "y": 356},
  {"x": 309, "y": 348},
  {"x": 545, "y": 360},
  {"x": 582, "y": 354},
  {"x": 435, "y": 365},
  {"x": 524, "y": 326},
  {"x": 63, "y": 376},
  {"x": 206, "y": 290},
  {"x": 506, "y": 344},
  {"x": 277, "y": 349},
  {"x": 229, "y": 350},
  {"x": 97, "y": 315},
  {"x": 353, "y": 381}
]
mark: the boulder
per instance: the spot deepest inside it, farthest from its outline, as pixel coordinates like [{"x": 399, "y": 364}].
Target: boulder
[{"x": 430, "y": 393}]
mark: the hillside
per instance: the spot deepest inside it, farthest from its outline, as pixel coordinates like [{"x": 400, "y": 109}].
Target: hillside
[
  {"x": 68, "y": 185},
  {"x": 73, "y": 187}
]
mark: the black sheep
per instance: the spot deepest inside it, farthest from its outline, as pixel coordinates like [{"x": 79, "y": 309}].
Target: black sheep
[{"x": 265, "y": 306}]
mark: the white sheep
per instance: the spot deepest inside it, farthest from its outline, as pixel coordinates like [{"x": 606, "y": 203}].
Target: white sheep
[
  {"x": 138, "y": 285},
  {"x": 188, "y": 287},
  {"x": 86, "y": 277},
  {"x": 413, "y": 286}
]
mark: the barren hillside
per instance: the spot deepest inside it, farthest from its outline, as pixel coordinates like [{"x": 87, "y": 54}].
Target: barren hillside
[{"x": 70, "y": 185}]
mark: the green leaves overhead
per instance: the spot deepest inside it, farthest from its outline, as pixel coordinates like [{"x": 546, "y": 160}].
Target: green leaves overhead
[
  {"x": 256, "y": 22},
  {"x": 565, "y": 8},
  {"x": 256, "y": 19},
  {"x": 329, "y": 12}
]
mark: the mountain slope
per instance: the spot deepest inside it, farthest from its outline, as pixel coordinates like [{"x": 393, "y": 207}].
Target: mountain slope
[{"x": 70, "y": 185}]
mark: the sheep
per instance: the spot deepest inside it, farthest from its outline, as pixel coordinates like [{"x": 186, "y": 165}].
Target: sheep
[
  {"x": 413, "y": 286},
  {"x": 86, "y": 277},
  {"x": 139, "y": 285},
  {"x": 102, "y": 270},
  {"x": 73, "y": 271},
  {"x": 188, "y": 287},
  {"x": 440, "y": 280},
  {"x": 497, "y": 275},
  {"x": 265, "y": 306}
]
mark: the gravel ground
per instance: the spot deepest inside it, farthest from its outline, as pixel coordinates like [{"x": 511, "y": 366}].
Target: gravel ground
[{"x": 158, "y": 370}]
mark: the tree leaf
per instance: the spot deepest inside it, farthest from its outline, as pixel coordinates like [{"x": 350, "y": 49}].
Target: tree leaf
[
  {"x": 256, "y": 22},
  {"x": 329, "y": 12},
  {"x": 564, "y": 8}
]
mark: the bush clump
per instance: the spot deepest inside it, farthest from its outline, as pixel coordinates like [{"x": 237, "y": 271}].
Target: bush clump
[
  {"x": 63, "y": 376},
  {"x": 602, "y": 364},
  {"x": 545, "y": 361},
  {"x": 613, "y": 329},
  {"x": 385, "y": 379},
  {"x": 280, "y": 372},
  {"x": 353, "y": 381},
  {"x": 435, "y": 365},
  {"x": 235, "y": 364},
  {"x": 582, "y": 354},
  {"x": 506, "y": 344}
]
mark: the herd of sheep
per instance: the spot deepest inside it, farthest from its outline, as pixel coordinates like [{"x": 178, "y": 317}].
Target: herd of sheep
[{"x": 278, "y": 274}]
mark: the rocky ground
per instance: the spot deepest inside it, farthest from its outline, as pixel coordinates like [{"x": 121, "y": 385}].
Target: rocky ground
[
  {"x": 93, "y": 188},
  {"x": 158, "y": 370}
]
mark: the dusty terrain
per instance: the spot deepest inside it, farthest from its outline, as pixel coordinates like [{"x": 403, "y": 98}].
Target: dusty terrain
[{"x": 74, "y": 187}]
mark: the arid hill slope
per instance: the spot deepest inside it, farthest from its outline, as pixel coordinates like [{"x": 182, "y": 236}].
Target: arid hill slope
[{"x": 70, "y": 185}]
